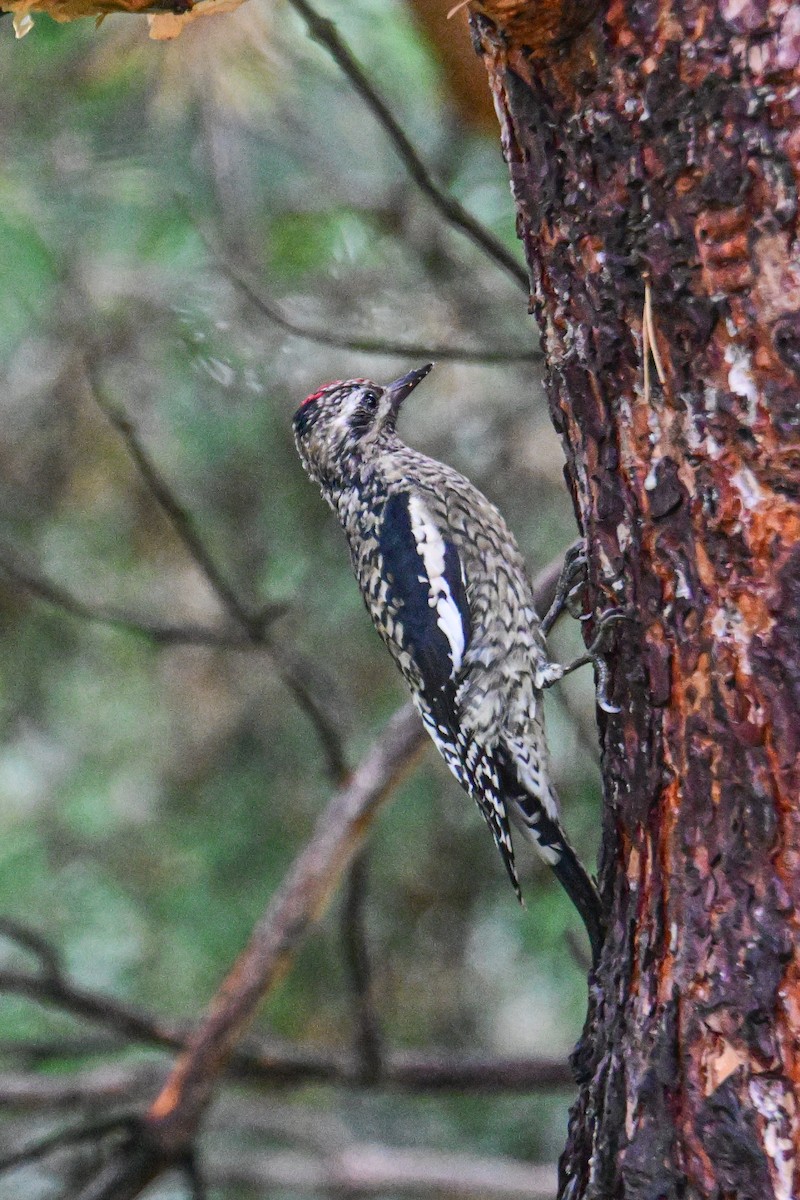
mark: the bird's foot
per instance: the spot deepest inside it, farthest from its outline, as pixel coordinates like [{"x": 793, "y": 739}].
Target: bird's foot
[
  {"x": 569, "y": 587},
  {"x": 550, "y": 673}
]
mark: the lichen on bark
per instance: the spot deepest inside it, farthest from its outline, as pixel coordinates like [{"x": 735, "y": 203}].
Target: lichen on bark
[{"x": 654, "y": 154}]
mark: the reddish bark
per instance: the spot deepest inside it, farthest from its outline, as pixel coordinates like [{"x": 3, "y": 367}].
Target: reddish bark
[{"x": 654, "y": 156}]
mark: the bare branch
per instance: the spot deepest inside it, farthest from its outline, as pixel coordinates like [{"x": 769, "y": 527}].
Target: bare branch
[
  {"x": 293, "y": 670},
  {"x": 296, "y": 674},
  {"x": 261, "y": 1064},
  {"x": 324, "y": 31},
  {"x": 298, "y": 903},
  {"x": 34, "y": 1051},
  {"x": 65, "y": 1137},
  {"x": 36, "y": 944},
  {"x": 369, "y": 1170},
  {"x": 445, "y": 1072},
  {"x": 195, "y": 1178},
  {"x": 24, "y": 575},
  {"x": 104, "y": 1085},
  {"x": 239, "y": 276},
  {"x": 175, "y": 512},
  {"x": 125, "y": 1019},
  {"x": 368, "y": 1040}
]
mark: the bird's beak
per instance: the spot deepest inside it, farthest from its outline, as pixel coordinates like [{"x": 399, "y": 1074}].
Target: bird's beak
[{"x": 405, "y": 385}]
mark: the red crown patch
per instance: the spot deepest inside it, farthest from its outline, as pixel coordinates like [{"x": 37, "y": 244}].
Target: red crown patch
[{"x": 326, "y": 387}]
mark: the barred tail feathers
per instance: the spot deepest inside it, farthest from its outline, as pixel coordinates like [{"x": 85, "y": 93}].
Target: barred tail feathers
[
  {"x": 535, "y": 813},
  {"x": 474, "y": 768},
  {"x": 492, "y": 778},
  {"x": 479, "y": 775}
]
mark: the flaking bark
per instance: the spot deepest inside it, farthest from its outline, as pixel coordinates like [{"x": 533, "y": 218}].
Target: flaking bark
[{"x": 654, "y": 155}]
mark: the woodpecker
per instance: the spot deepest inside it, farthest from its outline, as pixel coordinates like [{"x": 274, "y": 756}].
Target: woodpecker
[{"x": 445, "y": 584}]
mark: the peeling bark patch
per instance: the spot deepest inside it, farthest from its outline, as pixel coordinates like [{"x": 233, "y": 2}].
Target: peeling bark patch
[
  {"x": 649, "y": 1167},
  {"x": 774, "y": 1101},
  {"x": 727, "y": 1131}
]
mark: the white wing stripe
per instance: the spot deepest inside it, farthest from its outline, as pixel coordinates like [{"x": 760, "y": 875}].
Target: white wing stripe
[{"x": 431, "y": 549}]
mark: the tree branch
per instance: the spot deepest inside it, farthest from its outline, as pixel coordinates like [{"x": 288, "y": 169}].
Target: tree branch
[
  {"x": 106, "y": 1085},
  {"x": 295, "y": 672},
  {"x": 298, "y": 903},
  {"x": 64, "y": 1137},
  {"x": 239, "y": 277},
  {"x": 29, "y": 939},
  {"x": 373, "y": 1170},
  {"x": 175, "y": 512},
  {"x": 326, "y": 34},
  {"x": 368, "y": 1040},
  {"x": 260, "y": 1063},
  {"x": 189, "y": 633}
]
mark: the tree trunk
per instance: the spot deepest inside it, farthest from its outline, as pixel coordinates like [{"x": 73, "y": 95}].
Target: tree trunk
[{"x": 654, "y": 156}]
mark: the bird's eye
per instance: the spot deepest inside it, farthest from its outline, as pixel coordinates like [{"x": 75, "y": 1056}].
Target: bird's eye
[{"x": 370, "y": 400}]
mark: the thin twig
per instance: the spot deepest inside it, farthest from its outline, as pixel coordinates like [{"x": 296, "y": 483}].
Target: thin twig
[
  {"x": 175, "y": 512},
  {"x": 262, "y": 1064},
  {"x": 294, "y": 671},
  {"x": 133, "y": 1023},
  {"x": 188, "y": 633},
  {"x": 368, "y": 1039},
  {"x": 97, "y": 1087},
  {"x": 195, "y": 1178},
  {"x": 239, "y": 276},
  {"x": 375, "y": 1170},
  {"x": 49, "y": 958},
  {"x": 325, "y": 32},
  {"x": 33, "y": 1052},
  {"x": 65, "y": 1137},
  {"x": 298, "y": 903}
]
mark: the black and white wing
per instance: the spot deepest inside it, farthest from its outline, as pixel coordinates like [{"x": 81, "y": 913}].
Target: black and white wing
[
  {"x": 429, "y": 634},
  {"x": 426, "y": 588}
]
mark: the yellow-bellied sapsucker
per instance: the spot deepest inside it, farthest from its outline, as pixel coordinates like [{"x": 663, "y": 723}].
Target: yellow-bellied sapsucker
[{"x": 445, "y": 584}]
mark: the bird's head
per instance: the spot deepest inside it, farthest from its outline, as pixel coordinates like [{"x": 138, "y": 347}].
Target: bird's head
[{"x": 338, "y": 427}]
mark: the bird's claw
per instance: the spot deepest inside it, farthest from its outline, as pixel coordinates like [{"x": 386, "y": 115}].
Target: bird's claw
[
  {"x": 603, "y": 680},
  {"x": 594, "y": 654},
  {"x": 570, "y": 584}
]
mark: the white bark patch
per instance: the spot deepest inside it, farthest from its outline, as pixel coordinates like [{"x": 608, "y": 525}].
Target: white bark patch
[
  {"x": 750, "y": 490},
  {"x": 431, "y": 549},
  {"x": 740, "y": 379},
  {"x": 776, "y": 1104}
]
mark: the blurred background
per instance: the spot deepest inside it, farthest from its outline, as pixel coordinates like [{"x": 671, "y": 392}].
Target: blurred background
[{"x": 162, "y": 204}]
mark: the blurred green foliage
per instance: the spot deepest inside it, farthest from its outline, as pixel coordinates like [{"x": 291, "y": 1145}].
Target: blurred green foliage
[{"x": 152, "y": 798}]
